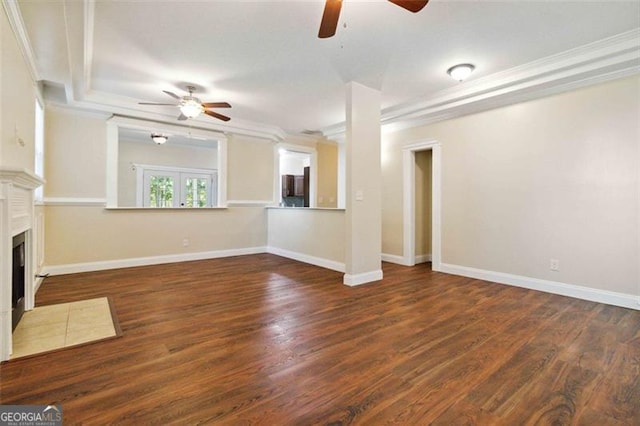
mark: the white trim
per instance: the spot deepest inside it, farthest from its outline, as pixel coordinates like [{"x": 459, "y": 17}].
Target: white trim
[
  {"x": 113, "y": 146},
  {"x": 401, "y": 260},
  {"x": 570, "y": 290},
  {"x": 342, "y": 175},
  {"x": 408, "y": 201},
  {"x": 363, "y": 278},
  {"x": 115, "y": 122},
  {"x": 20, "y": 177},
  {"x": 88, "y": 40},
  {"x": 244, "y": 203},
  {"x": 74, "y": 201},
  {"x": 598, "y": 62},
  {"x": 16, "y": 216},
  {"x": 392, "y": 258},
  {"x": 313, "y": 178},
  {"x": 222, "y": 172},
  {"x": 17, "y": 25},
  {"x": 145, "y": 261},
  {"x": 423, "y": 258},
  {"x": 313, "y": 260}
]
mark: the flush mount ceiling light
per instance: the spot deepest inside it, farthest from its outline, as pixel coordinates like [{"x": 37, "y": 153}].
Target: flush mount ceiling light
[
  {"x": 461, "y": 71},
  {"x": 159, "y": 138}
]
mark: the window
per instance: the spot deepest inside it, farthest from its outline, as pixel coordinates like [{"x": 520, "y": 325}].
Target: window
[{"x": 160, "y": 186}]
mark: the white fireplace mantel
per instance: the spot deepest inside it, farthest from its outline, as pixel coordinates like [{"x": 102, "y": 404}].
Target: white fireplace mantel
[{"x": 16, "y": 216}]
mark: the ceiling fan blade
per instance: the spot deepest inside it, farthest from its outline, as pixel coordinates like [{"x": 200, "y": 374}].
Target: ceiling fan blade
[
  {"x": 153, "y": 103},
  {"x": 330, "y": 18},
  {"x": 411, "y": 5},
  {"x": 182, "y": 117},
  {"x": 216, "y": 105},
  {"x": 173, "y": 95},
  {"x": 218, "y": 116}
]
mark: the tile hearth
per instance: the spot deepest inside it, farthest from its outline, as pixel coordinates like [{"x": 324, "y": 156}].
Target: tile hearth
[{"x": 48, "y": 328}]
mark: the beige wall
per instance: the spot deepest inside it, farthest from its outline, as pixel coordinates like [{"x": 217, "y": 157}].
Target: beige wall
[
  {"x": 312, "y": 232},
  {"x": 551, "y": 178},
  {"x": 327, "y": 194},
  {"x": 79, "y": 233},
  {"x": 17, "y": 103},
  {"x": 249, "y": 169},
  {"x": 423, "y": 202},
  {"x": 75, "y": 154},
  {"x": 391, "y": 185}
]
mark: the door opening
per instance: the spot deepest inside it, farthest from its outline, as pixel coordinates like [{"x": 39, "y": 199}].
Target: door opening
[
  {"x": 423, "y": 205},
  {"x": 411, "y": 156}
]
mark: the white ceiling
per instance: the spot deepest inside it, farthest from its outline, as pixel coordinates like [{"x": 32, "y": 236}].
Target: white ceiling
[{"x": 265, "y": 59}]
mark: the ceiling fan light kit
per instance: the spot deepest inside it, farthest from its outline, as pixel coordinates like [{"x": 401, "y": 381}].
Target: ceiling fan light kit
[
  {"x": 159, "y": 138},
  {"x": 460, "y": 72},
  {"x": 191, "y": 107}
]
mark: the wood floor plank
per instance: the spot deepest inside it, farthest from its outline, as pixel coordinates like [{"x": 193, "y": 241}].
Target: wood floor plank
[{"x": 265, "y": 340}]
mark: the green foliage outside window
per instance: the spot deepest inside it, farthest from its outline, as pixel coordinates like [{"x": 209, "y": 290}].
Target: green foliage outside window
[
  {"x": 196, "y": 193},
  {"x": 161, "y": 194}
]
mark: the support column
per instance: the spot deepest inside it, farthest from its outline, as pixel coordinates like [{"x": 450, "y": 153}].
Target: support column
[{"x": 363, "y": 214}]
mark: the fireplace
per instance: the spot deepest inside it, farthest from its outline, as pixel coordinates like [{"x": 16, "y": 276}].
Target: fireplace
[
  {"x": 17, "y": 262},
  {"x": 18, "y": 279}
]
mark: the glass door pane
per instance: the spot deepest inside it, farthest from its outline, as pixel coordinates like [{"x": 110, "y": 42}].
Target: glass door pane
[
  {"x": 196, "y": 190},
  {"x": 160, "y": 189}
]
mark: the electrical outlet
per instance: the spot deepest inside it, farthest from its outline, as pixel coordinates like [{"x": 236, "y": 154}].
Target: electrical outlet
[
  {"x": 185, "y": 242},
  {"x": 554, "y": 264}
]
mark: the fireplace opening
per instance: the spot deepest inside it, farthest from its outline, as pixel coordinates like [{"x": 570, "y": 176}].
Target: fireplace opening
[{"x": 17, "y": 280}]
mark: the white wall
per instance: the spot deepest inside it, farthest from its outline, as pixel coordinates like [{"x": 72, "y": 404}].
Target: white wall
[
  {"x": 294, "y": 164},
  {"x": 551, "y": 178}
]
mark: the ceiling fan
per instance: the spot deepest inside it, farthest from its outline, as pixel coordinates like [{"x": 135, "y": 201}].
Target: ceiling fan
[
  {"x": 332, "y": 8},
  {"x": 191, "y": 107}
]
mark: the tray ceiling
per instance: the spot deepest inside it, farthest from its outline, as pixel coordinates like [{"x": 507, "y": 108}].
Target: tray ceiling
[{"x": 264, "y": 57}]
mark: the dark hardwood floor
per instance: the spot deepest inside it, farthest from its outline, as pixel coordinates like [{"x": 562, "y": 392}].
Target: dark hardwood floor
[{"x": 266, "y": 340}]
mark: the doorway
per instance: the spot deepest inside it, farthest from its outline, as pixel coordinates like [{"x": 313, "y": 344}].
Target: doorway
[
  {"x": 415, "y": 164},
  {"x": 295, "y": 176}
]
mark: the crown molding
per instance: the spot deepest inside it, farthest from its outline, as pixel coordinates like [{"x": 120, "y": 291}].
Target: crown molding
[
  {"x": 14, "y": 16},
  {"x": 593, "y": 63},
  {"x": 604, "y": 60},
  {"x": 146, "y": 125}
]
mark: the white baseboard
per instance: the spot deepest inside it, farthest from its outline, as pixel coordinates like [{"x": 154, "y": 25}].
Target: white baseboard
[
  {"x": 401, "y": 260},
  {"x": 358, "y": 279},
  {"x": 392, "y": 258},
  {"x": 301, "y": 257},
  {"x": 144, "y": 261},
  {"x": 579, "y": 292}
]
